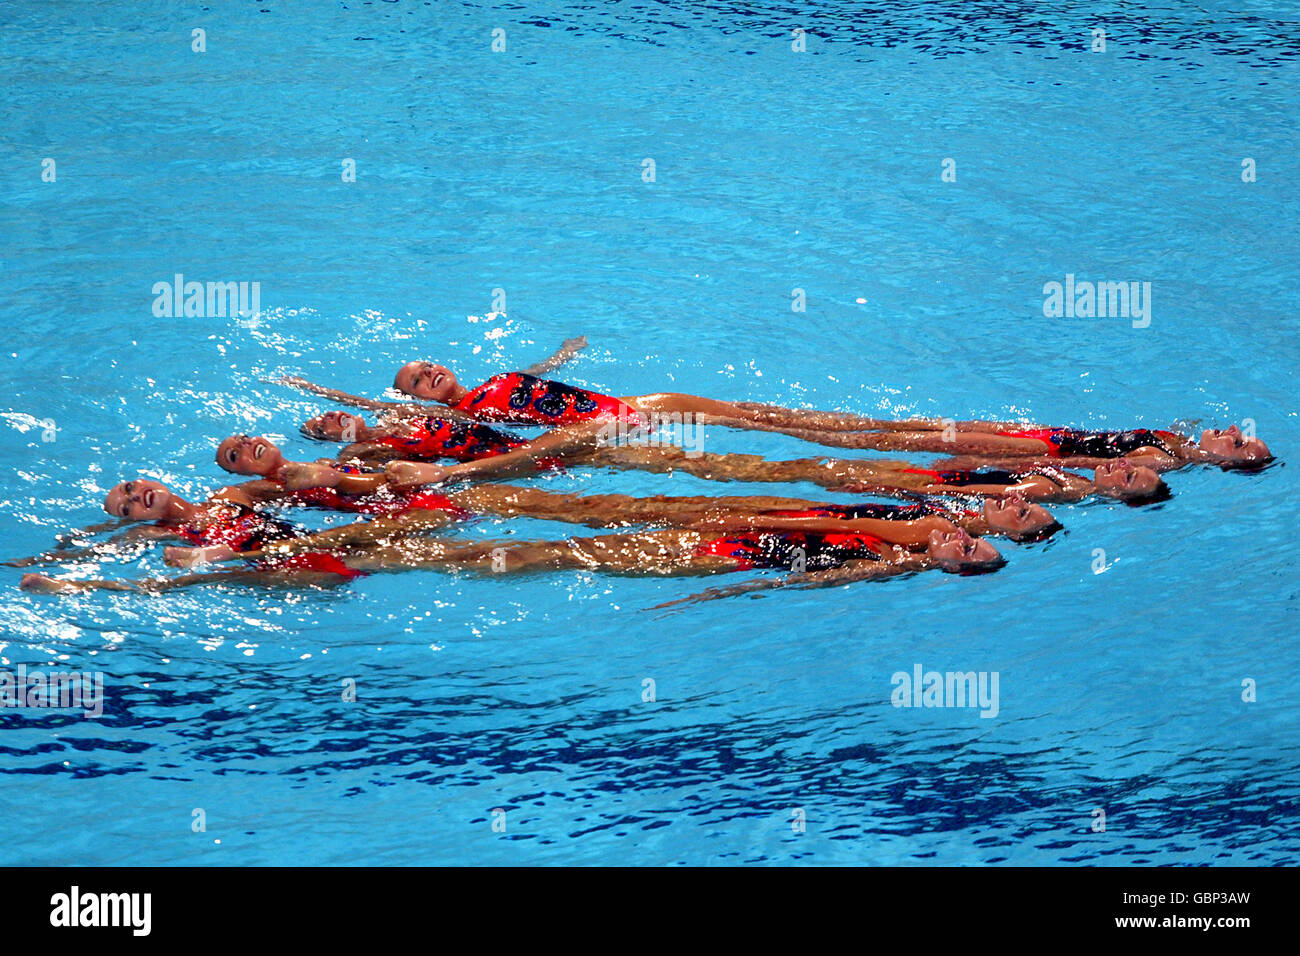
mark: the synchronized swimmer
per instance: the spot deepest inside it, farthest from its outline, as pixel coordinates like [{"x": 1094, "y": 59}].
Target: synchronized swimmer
[
  {"x": 421, "y": 469},
  {"x": 711, "y": 536},
  {"x": 523, "y": 398}
]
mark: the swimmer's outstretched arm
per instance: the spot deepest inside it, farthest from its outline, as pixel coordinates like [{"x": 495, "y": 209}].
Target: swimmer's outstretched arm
[
  {"x": 65, "y": 538},
  {"x": 301, "y": 475},
  {"x": 358, "y": 534},
  {"x": 138, "y": 533},
  {"x": 1037, "y": 488},
  {"x": 261, "y": 491},
  {"x": 347, "y": 398},
  {"x": 1151, "y": 458},
  {"x": 914, "y": 533},
  {"x": 851, "y": 571},
  {"x": 564, "y": 354},
  {"x": 565, "y": 442},
  {"x": 369, "y": 453},
  {"x": 377, "y": 405}
]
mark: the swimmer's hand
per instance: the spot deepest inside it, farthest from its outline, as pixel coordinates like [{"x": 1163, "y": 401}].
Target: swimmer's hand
[
  {"x": 408, "y": 475},
  {"x": 181, "y": 557},
  {"x": 43, "y": 584},
  {"x": 576, "y": 344}
]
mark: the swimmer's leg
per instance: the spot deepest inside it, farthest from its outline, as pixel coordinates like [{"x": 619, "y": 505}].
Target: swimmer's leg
[
  {"x": 447, "y": 554},
  {"x": 940, "y": 442},
  {"x": 654, "y": 552},
  {"x": 778, "y": 418},
  {"x": 832, "y": 473},
  {"x": 41, "y": 584},
  {"x": 850, "y": 571},
  {"x": 132, "y": 536}
]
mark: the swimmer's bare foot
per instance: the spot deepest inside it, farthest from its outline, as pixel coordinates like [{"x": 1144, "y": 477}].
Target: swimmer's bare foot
[{"x": 44, "y": 584}]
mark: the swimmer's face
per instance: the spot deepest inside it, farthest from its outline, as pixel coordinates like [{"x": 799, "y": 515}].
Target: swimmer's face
[
  {"x": 334, "y": 426},
  {"x": 1126, "y": 480},
  {"x": 249, "y": 456},
  {"x": 434, "y": 383},
  {"x": 1014, "y": 515},
  {"x": 1231, "y": 446},
  {"x": 139, "y": 500},
  {"x": 956, "y": 550}
]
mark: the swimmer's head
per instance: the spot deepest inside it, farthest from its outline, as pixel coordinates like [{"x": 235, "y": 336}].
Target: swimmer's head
[
  {"x": 956, "y": 550},
  {"x": 433, "y": 383},
  {"x": 1120, "y": 478},
  {"x": 334, "y": 426},
  {"x": 140, "y": 500},
  {"x": 1017, "y": 517},
  {"x": 1231, "y": 449},
  {"x": 245, "y": 455}
]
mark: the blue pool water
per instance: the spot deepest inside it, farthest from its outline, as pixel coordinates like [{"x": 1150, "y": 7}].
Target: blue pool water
[{"x": 775, "y": 170}]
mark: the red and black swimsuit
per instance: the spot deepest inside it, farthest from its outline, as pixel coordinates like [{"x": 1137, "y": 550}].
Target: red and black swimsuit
[
  {"x": 238, "y": 527},
  {"x": 243, "y": 529},
  {"x": 331, "y": 499},
  {"x": 781, "y": 549},
  {"x": 867, "y": 509},
  {"x": 527, "y": 400},
  {"x": 1069, "y": 442},
  {"x": 434, "y": 438},
  {"x": 988, "y": 476}
]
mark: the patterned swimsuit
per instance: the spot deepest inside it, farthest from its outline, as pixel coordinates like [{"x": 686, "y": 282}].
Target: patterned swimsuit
[
  {"x": 1069, "y": 442},
  {"x": 244, "y": 529},
  {"x": 527, "y": 400}
]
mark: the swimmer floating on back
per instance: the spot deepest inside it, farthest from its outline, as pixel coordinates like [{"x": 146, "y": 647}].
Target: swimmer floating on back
[
  {"x": 524, "y": 399},
  {"x": 1076, "y": 447},
  {"x": 857, "y": 556},
  {"x": 520, "y": 398},
  {"x": 347, "y": 490},
  {"x": 1006, "y": 511},
  {"x": 565, "y": 353},
  {"x": 1044, "y": 482},
  {"x": 225, "y": 526}
]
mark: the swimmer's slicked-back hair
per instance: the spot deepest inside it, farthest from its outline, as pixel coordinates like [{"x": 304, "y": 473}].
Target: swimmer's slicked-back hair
[
  {"x": 1042, "y": 534},
  {"x": 985, "y": 567},
  {"x": 1249, "y": 467},
  {"x": 1161, "y": 492}
]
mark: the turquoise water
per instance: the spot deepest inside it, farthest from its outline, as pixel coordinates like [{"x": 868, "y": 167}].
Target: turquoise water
[{"x": 775, "y": 170}]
